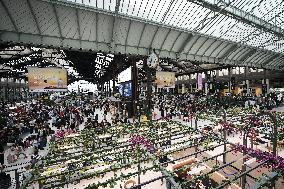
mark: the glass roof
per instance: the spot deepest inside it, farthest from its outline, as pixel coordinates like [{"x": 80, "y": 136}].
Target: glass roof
[
  {"x": 191, "y": 15},
  {"x": 269, "y": 10}
]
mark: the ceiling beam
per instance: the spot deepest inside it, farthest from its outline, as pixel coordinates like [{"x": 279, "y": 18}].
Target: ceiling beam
[
  {"x": 175, "y": 41},
  {"x": 144, "y": 26},
  {"x": 267, "y": 13},
  {"x": 112, "y": 42},
  {"x": 229, "y": 52},
  {"x": 277, "y": 64},
  {"x": 34, "y": 17},
  {"x": 260, "y": 57},
  {"x": 161, "y": 48},
  {"x": 117, "y": 5},
  {"x": 226, "y": 45},
  {"x": 188, "y": 39},
  {"x": 153, "y": 38},
  {"x": 197, "y": 37},
  {"x": 266, "y": 58},
  {"x": 78, "y": 25},
  {"x": 97, "y": 21},
  {"x": 270, "y": 59},
  {"x": 239, "y": 51},
  {"x": 57, "y": 20},
  {"x": 209, "y": 46},
  {"x": 200, "y": 47},
  {"x": 9, "y": 15},
  {"x": 137, "y": 19},
  {"x": 167, "y": 11},
  {"x": 127, "y": 32},
  {"x": 240, "y": 15},
  {"x": 248, "y": 55}
]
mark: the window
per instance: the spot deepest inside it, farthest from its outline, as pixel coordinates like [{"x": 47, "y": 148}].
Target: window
[
  {"x": 234, "y": 71},
  {"x": 193, "y": 76},
  {"x": 242, "y": 70},
  {"x": 252, "y": 70},
  {"x": 223, "y": 72}
]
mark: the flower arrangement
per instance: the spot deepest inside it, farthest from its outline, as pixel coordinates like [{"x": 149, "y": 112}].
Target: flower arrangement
[
  {"x": 276, "y": 162},
  {"x": 59, "y": 134},
  {"x": 122, "y": 151},
  {"x": 140, "y": 141}
]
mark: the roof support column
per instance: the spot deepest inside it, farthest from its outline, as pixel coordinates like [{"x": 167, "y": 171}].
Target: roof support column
[
  {"x": 58, "y": 23},
  {"x": 112, "y": 45},
  {"x": 181, "y": 49},
  {"x": 33, "y": 14},
  {"x": 79, "y": 28},
  {"x": 10, "y": 17}
]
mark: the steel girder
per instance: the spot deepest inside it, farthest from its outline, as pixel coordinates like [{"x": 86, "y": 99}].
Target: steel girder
[
  {"x": 240, "y": 15},
  {"x": 117, "y": 5}
]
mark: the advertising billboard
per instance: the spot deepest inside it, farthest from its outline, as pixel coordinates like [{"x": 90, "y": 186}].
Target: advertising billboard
[
  {"x": 125, "y": 89},
  {"x": 165, "y": 79},
  {"x": 47, "y": 79}
]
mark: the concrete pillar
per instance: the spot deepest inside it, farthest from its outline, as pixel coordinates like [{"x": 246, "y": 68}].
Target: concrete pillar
[
  {"x": 264, "y": 88},
  {"x": 247, "y": 84},
  {"x": 267, "y": 85},
  {"x": 246, "y": 80},
  {"x": 265, "y": 81},
  {"x": 230, "y": 77},
  {"x": 182, "y": 88},
  {"x": 207, "y": 78},
  {"x": 113, "y": 86}
]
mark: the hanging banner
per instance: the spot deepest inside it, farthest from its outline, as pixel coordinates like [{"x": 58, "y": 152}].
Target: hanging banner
[
  {"x": 199, "y": 81},
  {"x": 165, "y": 79},
  {"x": 47, "y": 79}
]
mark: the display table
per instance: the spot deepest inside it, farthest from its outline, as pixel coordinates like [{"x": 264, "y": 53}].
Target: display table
[
  {"x": 122, "y": 140},
  {"x": 97, "y": 168},
  {"x": 72, "y": 135},
  {"x": 66, "y": 147},
  {"x": 51, "y": 171},
  {"x": 105, "y": 136},
  {"x": 195, "y": 169}
]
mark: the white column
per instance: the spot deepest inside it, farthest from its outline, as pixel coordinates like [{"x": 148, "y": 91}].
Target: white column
[
  {"x": 247, "y": 83},
  {"x": 230, "y": 77},
  {"x": 267, "y": 85},
  {"x": 182, "y": 88}
]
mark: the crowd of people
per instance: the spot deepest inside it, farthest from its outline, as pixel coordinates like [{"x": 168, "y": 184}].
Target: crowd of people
[
  {"x": 39, "y": 119},
  {"x": 184, "y": 104},
  {"x": 30, "y": 125}
]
